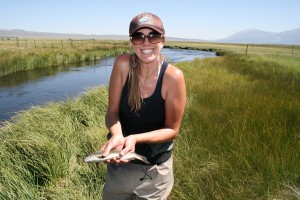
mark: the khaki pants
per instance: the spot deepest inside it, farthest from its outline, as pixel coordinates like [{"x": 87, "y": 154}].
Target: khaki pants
[{"x": 134, "y": 181}]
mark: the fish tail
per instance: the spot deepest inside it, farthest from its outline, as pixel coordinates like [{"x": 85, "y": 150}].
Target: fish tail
[{"x": 142, "y": 158}]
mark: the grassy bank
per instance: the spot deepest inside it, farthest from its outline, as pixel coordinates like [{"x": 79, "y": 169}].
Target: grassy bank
[
  {"x": 240, "y": 135},
  {"x": 41, "y": 153},
  {"x": 15, "y": 59},
  {"x": 239, "y": 138}
]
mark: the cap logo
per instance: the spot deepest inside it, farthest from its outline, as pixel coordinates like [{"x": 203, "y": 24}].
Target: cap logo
[{"x": 145, "y": 18}]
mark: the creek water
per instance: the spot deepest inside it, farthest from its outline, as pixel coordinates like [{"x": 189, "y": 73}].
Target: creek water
[{"x": 21, "y": 90}]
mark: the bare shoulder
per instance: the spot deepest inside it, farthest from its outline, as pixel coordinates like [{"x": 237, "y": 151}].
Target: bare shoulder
[
  {"x": 173, "y": 73},
  {"x": 122, "y": 62},
  {"x": 173, "y": 83},
  {"x": 120, "y": 71}
]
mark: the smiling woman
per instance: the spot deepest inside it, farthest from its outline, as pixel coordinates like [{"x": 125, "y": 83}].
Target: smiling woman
[{"x": 146, "y": 104}]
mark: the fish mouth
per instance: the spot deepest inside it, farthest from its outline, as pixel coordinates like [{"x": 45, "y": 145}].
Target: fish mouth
[{"x": 89, "y": 159}]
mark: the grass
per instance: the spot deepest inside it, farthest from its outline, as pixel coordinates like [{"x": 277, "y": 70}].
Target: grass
[
  {"x": 42, "y": 151},
  {"x": 13, "y": 59},
  {"x": 239, "y": 137}
]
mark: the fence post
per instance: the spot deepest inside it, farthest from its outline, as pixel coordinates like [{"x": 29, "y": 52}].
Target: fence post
[
  {"x": 293, "y": 50},
  {"x": 71, "y": 42},
  {"x": 26, "y": 42},
  {"x": 17, "y": 41},
  {"x": 34, "y": 43},
  {"x": 247, "y": 49}
]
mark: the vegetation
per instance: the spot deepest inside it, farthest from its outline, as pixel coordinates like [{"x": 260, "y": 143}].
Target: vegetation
[
  {"x": 13, "y": 59},
  {"x": 240, "y": 135},
  {"x": 42, "y": 151},
  {"x": 239, "y": 138}
]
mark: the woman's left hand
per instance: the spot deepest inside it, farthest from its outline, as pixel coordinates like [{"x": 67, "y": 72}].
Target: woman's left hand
[{"x": 129, "y": 146}]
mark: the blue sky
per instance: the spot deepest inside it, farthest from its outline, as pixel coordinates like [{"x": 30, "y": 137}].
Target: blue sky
[{"x": 198, "y": 19}]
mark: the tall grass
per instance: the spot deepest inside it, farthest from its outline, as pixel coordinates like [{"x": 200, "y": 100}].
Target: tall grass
[
  {"x": 42, "y": 151},
  {"x": 239, "y": 137},
  {"x": 240, "y": 134},
  {"x": 22, "y": 59},
  {"x": 250, "y": 49}
]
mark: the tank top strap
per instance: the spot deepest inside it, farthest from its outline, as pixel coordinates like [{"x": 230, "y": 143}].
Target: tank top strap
[{"x": 162, "y": 72}]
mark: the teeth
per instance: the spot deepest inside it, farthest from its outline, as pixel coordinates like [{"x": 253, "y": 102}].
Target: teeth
[{"x": 147, "y": 51}]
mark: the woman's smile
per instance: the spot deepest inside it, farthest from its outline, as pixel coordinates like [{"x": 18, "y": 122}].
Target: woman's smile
[{"x": 147, "y": 51}]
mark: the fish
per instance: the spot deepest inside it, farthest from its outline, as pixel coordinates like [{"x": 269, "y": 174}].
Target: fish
[{"x": 97, "y": 156}]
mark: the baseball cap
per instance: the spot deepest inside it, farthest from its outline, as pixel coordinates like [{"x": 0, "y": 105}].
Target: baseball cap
[{"x": 146, "y": 20}]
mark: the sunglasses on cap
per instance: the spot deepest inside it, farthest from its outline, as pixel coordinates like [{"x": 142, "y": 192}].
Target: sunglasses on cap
[{"x": 139, "y": 38}]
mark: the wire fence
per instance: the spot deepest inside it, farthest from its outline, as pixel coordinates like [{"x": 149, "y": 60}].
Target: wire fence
[
  {"x": 16, "y": 42},
  {"x": 248, "y": 49},
  {"x": 20, "y": 43}
]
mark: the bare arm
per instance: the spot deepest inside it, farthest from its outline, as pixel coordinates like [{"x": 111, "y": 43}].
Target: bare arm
[{"x": 112, "y": 121}]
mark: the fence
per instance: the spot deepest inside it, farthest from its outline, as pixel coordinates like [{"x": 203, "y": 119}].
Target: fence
[
  {"x": 16, "y": 42},
  {"x": 260, "y": 49}
]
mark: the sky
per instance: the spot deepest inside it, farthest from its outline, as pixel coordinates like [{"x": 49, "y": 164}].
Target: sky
[{"x": 193, "y": 19}]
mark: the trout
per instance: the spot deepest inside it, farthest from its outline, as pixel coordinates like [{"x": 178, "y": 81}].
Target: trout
[{"x": 97, "y": 156}]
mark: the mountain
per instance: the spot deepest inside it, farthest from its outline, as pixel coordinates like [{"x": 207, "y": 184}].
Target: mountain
[
  {"x": 36, "y": 35},
  {"x": 254, "y": 36},
  {"x": 39, "y": 35},
  {"x": 250, "y": 36}
]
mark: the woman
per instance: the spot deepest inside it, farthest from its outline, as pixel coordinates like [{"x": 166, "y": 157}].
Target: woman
[{"x": 146, "y": 104}]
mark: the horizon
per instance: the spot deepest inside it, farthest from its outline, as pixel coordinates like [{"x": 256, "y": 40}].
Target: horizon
[
  {"x": 127, "y": 35},
  {"x": 189, "y": 19}
]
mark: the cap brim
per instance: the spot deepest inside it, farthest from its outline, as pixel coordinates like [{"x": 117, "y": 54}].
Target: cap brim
[{"x": 148, "y": 26}]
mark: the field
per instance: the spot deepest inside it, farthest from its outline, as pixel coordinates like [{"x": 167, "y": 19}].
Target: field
[
  {"x": 239, "y": 138},
  {"x": 29, "y": 54}
]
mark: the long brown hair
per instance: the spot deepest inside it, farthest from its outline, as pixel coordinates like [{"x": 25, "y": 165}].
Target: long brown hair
[{"x": 134, "y": 96}]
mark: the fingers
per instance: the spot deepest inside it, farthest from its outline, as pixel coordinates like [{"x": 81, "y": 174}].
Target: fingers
[
  {"x": 106, "y": 150},
  {"x": 115, "y": 142},
  {"x": 117, "y": 161},
  {"x": 125, "y": 151},
  {"x": 125, "y": 145},
  {"x": 129, "y": 145}
]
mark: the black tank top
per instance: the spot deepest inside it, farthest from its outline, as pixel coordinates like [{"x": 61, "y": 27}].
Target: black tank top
[{"x": 150, "y": 117}]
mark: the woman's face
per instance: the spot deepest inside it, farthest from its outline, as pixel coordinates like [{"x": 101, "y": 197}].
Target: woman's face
[{"x": 148, "y": 52}]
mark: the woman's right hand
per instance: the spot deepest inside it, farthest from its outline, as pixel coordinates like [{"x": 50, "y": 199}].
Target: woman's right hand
[{"x": 115, "y": 142}]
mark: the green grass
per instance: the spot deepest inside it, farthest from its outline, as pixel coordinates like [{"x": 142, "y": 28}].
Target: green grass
[
  {"x": 240, "y": 134},
  {"x": 239, "y": 137},
  {"x": 42, "y": 151},
  {"x": 14, "y": 59}
]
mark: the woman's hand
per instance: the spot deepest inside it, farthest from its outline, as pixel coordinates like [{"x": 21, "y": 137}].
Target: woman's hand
[
  {"x": 129, "y": 146},
  {"x": 115, "y": 142},
  {"x": 127, "y": 143}
]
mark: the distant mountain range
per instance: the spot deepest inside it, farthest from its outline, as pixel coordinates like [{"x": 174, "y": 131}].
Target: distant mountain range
[
  {"x": 254, "y": 36},
  {"x": 250, "y": 36},
  {"x": 37, "y": 35}
]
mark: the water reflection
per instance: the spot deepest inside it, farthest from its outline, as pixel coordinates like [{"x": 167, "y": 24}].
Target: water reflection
[
  {"x": 23, "y": 89},
  {"x": 183, "y": 55},
  {"x": 18, "y": 78}
]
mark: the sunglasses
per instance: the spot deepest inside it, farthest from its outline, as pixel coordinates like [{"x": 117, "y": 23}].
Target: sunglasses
[{"x": 153, "y": 37}]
